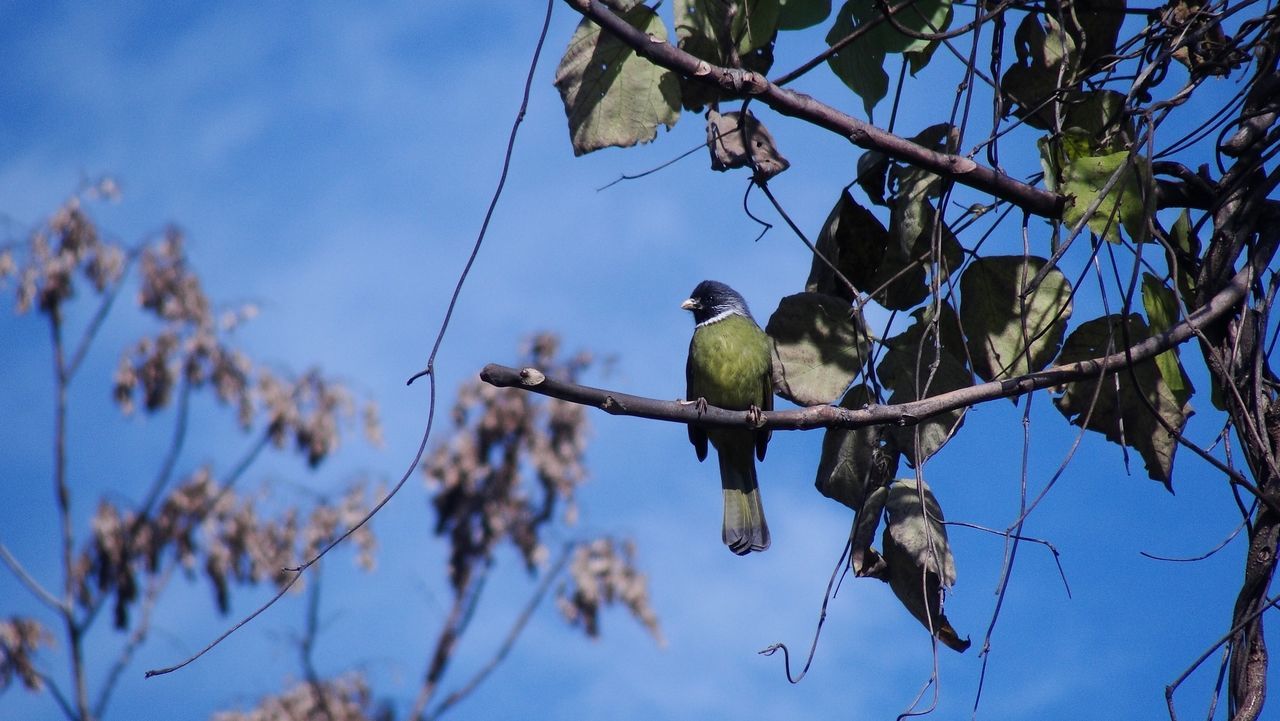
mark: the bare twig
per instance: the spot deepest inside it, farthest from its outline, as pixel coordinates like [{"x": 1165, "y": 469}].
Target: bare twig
[
  {"x": 30, "y": 582},
  {"x": 509, "y": 642},
  {"x": 1173, "y": 687},
  {"x": 822, "y": 618},
  {"x": 62, "y": 491}
]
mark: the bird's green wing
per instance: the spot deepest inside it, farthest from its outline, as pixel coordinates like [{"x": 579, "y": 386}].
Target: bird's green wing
[
  {"x": 766, "y": 398},
  {"x": 697, "y": 434}
]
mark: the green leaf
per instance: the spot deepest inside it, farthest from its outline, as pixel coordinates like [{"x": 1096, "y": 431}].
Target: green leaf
[
  {"x": 754, "y": 24},
  {"x": 700, "y": 28},
  {"x": 1031, "y": 82},
  {"x": 860, "y": 65},
  {"x": 1084, "y": 172},
  {"x": 1123, "y": 407},
  {"x": 864, "y": 559},
  {"x": 799, "y": 14},
  {"x": 613, "y": 97},
  {"x": 1162, "y": 313},
  {"x": 819, "y": 345},
  {"x": 854, "y": 242},
  {"x": 911, "y": 212},
  {"x": 854, "y": 461},
  {"x": 873, "y": 174},
  {"x": 1187, "y": 246},
  {"x": 919, "y": 364},
  {"x": 1095, "y": 25},
  {"x": 902, "y": 275},
  {"x": 921, "y": 566},
  {"x": 1010, "y": 335}
]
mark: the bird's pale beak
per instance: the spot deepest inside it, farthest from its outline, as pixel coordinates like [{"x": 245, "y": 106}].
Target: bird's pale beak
[{"x": 690, "y": 304}]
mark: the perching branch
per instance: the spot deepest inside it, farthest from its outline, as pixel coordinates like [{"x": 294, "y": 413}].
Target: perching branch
[{"x": 900, "y": 414}]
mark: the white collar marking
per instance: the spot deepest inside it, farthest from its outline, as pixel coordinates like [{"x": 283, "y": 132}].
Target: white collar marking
[{"x": 716, "y": 318}]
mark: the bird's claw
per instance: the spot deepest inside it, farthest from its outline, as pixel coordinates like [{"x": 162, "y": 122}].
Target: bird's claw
[
  {"x": 755, "y": 416},
  {"x": 700, "y": 403}
]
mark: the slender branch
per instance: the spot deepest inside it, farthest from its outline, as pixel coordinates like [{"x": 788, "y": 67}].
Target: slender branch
[
  {"x": 514, "y": 633},
  {"x": 155, "y": 587},
  {"x": 1173, "y": 687},
  {"x": 836, "y": 574},
  {"x": 30, "y": 582},
  {"x": 901, "y": 414},
  {"x": 465, "y": 599},
  {"x": 62, "y": 492},
  {"x": 99, "y": 317}
]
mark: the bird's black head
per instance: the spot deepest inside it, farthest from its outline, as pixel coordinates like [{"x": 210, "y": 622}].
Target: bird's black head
[{"x": 711, "y": 299}]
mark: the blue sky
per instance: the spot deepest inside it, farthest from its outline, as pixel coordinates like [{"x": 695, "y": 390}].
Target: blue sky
[{"x": 332, "y": 163}]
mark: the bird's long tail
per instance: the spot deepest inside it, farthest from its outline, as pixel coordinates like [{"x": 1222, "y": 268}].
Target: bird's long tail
[{"x": 744, "y": 528}]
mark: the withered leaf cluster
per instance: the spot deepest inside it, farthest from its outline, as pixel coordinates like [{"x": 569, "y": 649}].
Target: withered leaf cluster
[
  {"x": 213, "y": 532},
  {"x": 515, "y": 458},
  {"x": 345, "y": 698},
  {"x": 511, "y": 461},
  {"x": 67, "y": 245},
  {"x": 601, "y": 573},
  {"x": 198, "y": 524},
  {"x": 19, "y": 639}
]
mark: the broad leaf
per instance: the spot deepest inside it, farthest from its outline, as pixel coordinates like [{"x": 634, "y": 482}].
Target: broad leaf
[
  {"x": 855, "y": 243},
  {"x": 1083, "y": 173},
  {"x": 873, "y": 174},
  {"x": 852, "y": 243},
  {"x": 912, "y": 213},
  {"x": 864, "y": 559},
  {"x": 854, "y": 461},
  {"x": 1010, "y": 335},
  {"x": 700, "y": 27},
  {"x": 920, "y": 364},
  {"x": 1186, "y": 246},
  {"x": 1121, "y": 408},
  {"x": 860, "y": 65},
  {"x": 799, "y": 14},
  {"x": 916, "y": 549},
  {"x": 1099, "y": 113},
  {"x": 755, "y": 22},
  {"x": 1031, "y": 83},
  {"x": 613, "y": 97},
  {"x": 1095, "y": 25},
  {"x": 819, "y": 345},
  {"x": 1162, "y": 313}
]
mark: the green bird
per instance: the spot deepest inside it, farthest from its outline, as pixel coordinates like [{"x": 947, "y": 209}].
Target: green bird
[{"x": 730, "y": 366}]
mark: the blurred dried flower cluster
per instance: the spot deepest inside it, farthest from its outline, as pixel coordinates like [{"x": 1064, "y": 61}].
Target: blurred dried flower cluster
[
  {"x": 212, "y": 531},
  {"x": 19, "y": 639},
  {"x": 511, "y": 460},
  {"x": 197, "y": 524},
  {"x": 345, "y": 698},
  {"x": 508, "y": 472},
  {"x": 67, "y": 243},
  {"x": 603, "y": 572}
]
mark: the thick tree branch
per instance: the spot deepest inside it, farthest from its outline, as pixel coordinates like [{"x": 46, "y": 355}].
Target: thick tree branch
[
  {"x": 960, "y": 169},
  {"x": 901, "y": 414}
]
